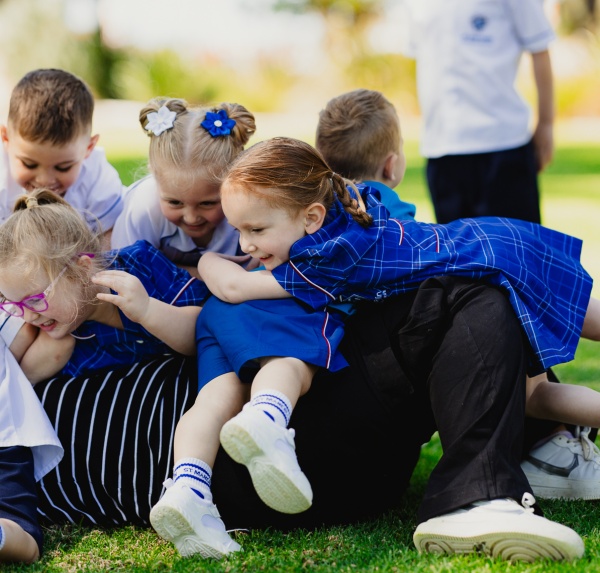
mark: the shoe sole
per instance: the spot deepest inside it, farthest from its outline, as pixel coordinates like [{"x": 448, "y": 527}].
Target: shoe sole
[
  {"x": 272, "y": 485},
  {"x": 554, "y": 488},
  {"x": 175, "y": 526},
  {"x": 508, "y": 546}
]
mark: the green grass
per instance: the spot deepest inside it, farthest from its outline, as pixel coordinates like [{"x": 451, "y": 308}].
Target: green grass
[{"x": 571, "y": 204}]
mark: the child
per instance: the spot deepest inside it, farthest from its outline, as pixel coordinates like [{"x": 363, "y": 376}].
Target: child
[
  {"x": 178, "y": 208},
  {"x": 413, "y": 251},
  {"x": 29, "y": 449},
  {"x": 318, "y": 245},
  {"x": 359, "y": 136},
  {"x": 482, "y": 157},
  {"x": 48, "y": 143},
  {"x": 46, "y": 248}
]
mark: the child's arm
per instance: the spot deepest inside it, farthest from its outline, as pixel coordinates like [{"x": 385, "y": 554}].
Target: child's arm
[
  {"x": 231, "y": 283},
  {"x": 543, "y": 137},
  {"x": 24, "y": 338},
  {"x": 40, "y": 356},
  {"x": 174, "y": 325},
  {"x": 46, "y": 356},
  {"x": 567, "y": 403}
]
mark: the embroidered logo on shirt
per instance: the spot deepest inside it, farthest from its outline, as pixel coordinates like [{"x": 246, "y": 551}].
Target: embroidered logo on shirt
[{"x": 479, "y": 22}]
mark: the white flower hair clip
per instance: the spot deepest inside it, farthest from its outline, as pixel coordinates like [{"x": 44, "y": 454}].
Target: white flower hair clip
[{"x": 160, "y": 121}]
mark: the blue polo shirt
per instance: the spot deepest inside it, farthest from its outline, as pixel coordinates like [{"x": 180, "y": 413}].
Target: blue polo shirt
[{"x": 100, "y": 346}]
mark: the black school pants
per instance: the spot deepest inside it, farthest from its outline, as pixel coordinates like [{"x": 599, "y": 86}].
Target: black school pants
[{"x": 498, "y": 184}]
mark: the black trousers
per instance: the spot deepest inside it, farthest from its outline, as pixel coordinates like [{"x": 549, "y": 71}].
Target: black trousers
[
  {"x": 475, "y": 382},
  {"x": 499, "y": 184}
]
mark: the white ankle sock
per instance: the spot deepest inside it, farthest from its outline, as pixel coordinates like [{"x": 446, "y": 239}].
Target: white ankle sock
[
  {"x": 274, "y": 404},
  {"x": 196, "y": 474}
]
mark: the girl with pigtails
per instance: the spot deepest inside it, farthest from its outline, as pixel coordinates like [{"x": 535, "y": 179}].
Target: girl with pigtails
[{"x": 177, "y": 208}]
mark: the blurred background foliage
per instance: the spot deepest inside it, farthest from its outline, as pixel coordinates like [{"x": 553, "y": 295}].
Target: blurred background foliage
[{"x": 34, "y": 34}]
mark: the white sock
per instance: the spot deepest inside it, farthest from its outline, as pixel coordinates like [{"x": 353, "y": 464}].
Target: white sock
[
  {"x": 196, "y": 474},
  {"x": 274, "y": 404}
]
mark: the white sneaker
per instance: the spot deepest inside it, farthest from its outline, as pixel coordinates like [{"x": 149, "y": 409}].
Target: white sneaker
[
  {"x": 499, "y": 528},
  {"x": 193, "y": 525},
  {"x": 269, "y": 453},
  {"x": 565, "y": 467}
]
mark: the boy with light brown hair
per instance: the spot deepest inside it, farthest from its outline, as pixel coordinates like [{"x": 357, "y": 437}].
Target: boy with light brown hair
[{"x": 48, "y": 143}]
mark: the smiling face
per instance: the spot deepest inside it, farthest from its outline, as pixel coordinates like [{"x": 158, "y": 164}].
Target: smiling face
[
  {"x": 195, "y": 209},
  {"x": 36, "y": 165},
  {"x": 266, "y": 232},
  {"x": 66, "y": 309}
]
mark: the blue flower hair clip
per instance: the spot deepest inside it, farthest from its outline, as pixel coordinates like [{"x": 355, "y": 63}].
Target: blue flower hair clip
[{"x": 218, "y": 124}]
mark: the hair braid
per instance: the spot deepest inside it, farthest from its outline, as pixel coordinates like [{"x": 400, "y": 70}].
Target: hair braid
[{"x": 350, "y": 204}]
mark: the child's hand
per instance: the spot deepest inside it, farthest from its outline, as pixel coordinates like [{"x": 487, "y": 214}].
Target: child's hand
[{"x": 131, "y": 296}]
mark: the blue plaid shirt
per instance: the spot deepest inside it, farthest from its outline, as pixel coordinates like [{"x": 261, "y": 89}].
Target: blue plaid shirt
[
  {"x": 99, "y": 345},
  {"x": 547, "y": 286}
]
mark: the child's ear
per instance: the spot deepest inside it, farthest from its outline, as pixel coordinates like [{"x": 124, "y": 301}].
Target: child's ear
[
  {"x": 4, "y": 135},
  {"x": 85, "y": 261},
  {"x": 389, "y": 168},
  {"x": 93, "y": 141},
  {"x": 314, "y": 215}
]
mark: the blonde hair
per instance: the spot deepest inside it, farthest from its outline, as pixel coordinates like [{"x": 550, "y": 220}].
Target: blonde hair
[
  {"x": 356, "y": 132},
  {"x": 50, "y": 105},
  {"x": 187, "y": 151},
  {"x": 46, "y": 233},
  {"x": 291, "y": 174}
]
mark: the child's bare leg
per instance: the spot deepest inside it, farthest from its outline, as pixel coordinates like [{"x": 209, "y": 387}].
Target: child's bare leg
[
  {"x": 186, "y": 515},
  {"x": 258, "y": 437},
  {"x": 591, "y": 322},
  {"x": 197, "y": 433},
  {"x": 290, "y": 376},
  {"x": 568, "y": 403},
  {"x": 18, "y": 545}
]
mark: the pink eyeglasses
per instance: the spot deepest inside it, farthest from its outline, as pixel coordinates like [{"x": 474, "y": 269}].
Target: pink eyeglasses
[{"x": 34, "y": 302}]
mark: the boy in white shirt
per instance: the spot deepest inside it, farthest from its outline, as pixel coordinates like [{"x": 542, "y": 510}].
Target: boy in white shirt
[
  {"x": 483, "y": 158},
  {"x": 48, "y": 143}
]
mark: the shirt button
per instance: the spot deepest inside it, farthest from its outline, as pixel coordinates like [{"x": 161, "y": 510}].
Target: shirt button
[{"x": 140, "y": 341}]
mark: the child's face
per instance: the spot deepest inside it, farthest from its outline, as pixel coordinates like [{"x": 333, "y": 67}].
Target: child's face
[
  {"x": 65, "y": 310},
  {"x": 196, "y": 209},
  {"x": 267, "y": 233},
  {"x": 35, "y": 164}
]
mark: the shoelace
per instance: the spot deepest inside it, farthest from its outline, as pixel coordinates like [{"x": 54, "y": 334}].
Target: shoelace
[
  {"x": 528, "y": 501},
  {"x": 589, "y": 449}
]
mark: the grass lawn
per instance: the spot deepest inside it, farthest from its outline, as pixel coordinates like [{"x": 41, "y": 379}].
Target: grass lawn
[{"x": 571, "y": 203}]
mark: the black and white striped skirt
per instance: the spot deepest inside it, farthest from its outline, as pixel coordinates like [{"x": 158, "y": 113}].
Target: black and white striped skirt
[{"x": 117, "y": 429}]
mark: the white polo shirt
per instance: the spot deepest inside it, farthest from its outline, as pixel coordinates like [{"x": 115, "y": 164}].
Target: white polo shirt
[
  {"x": 97, "y": 193},
  {"x": 23, "y": 421},
  {"x": 467, "y": 54}
]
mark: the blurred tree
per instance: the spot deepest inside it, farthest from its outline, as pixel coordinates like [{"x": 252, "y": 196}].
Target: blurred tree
[
  {"x": 104, "y": 63},
  {"x": 578, "y": 14}
]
